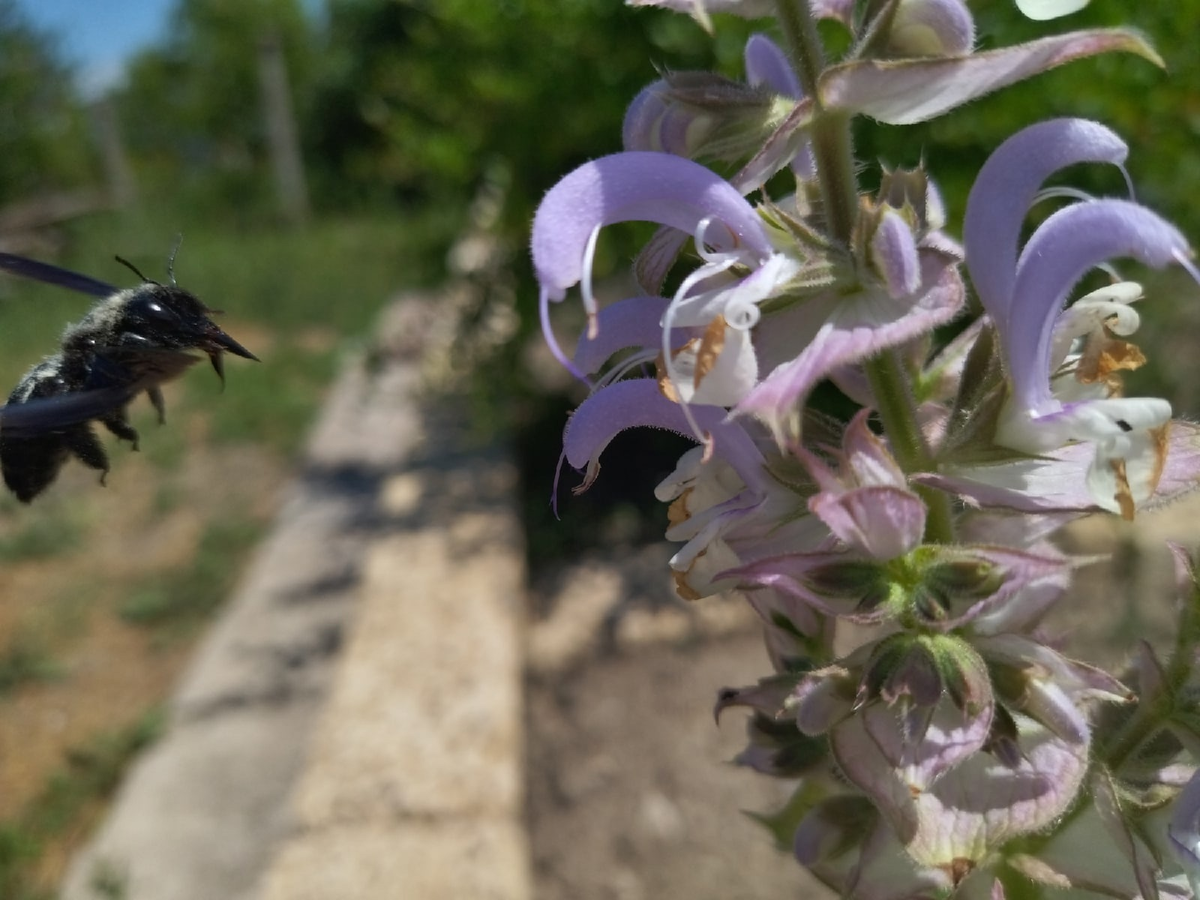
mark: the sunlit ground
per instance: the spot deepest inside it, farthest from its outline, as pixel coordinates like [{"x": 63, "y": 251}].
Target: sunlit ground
[{"x": 104, "y": 590}]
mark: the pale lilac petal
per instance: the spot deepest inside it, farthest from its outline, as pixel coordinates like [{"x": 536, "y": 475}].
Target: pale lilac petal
[
  {"x": 789, "y": 576},
  {"x": 639, "y": 403},
  {"x": 882, "y": 522},
  {"x": 655, "y": 259},
  {"x": 748, "y": 8},
  {"x": 1018, "y": 570},
  {"x": 1005, "y": 189},
  {"x": 901, "y": 92},
  {"x": 1050, "y": 9},
  {"x": 1122, "y": 831},
  {"x": 951, "y": 738},
  {"x": 633, "y": 322},
  {"x": 1064, "y": 248},
  {"x": 867, "y": 458},
  {"x": 894, "y": 256},
  {"x": 700, "y": 9},
  {"x": 1082, "y": 851},
  {"x": 839, "y": 10},
  {"x": 860, "y": 326},
  {"x": 651, "y": 123},
  {"x": 1057, "y": 482},
  {"x": 1184, "y": 832},
  {"x": 788, "y": 144},
  {"x": 976, "y": 806},
  {"x": 932, "y": 28},
  {"x": 767, "y": 64},
  {"x": 1181, "y": 474},
  {"x": 1026, "y": 607},
  {"x": 883, "y": 871},
  {"x": 636, "y": 186},
  {"x": 822, "y": 699}
]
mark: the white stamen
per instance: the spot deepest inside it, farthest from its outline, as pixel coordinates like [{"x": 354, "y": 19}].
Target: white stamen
[{"x": 585, "y": 283}]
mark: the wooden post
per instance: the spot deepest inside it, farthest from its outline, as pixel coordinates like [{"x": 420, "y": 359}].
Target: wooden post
[
  {"x": 286, "y": 163},
  {"x": 118, "y": 174}
]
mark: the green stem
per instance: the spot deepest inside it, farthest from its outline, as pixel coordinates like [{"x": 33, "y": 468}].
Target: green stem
[
  {"x": 804, "y": 44},
  {"x": 833, "y": 148},
  {"x": 898, "y": 410}
]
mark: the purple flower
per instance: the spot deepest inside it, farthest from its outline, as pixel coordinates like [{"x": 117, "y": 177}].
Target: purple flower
[
  {"x": 1184, "y": 832},
  {"x": 1024, "y": 294},
  {"x": 718, "y": 365}
]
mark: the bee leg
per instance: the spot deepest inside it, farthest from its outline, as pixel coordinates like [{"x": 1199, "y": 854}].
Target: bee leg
[
  {"x": 156, "y": 399},
  {"x": 119, "y": 425},
  {"x": 88, "y": 449}
]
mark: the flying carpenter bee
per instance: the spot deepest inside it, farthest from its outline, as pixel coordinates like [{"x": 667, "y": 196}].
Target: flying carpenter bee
[{"x": 132, "y": 340}]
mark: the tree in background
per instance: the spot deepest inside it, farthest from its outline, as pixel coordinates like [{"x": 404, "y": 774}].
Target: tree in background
[
  {"x": 192, "y": 109},
  {"x": 43, "y": 129}
]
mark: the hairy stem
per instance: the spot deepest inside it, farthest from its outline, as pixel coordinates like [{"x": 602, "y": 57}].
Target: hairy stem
[
  {"x": 896, "y": 407},
  {"x": 833, "y": 148}
]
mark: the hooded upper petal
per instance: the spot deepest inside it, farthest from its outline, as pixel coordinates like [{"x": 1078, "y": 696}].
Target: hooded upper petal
[
  {"x": 642, "y": 186},
  {"x": 1005, "y": 189},
  {"x": 639, "y": 403},
  {"x": 1064, "y": 248}
]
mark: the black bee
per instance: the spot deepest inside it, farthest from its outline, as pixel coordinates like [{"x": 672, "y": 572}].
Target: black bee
[{"x": 131, "y": 341}]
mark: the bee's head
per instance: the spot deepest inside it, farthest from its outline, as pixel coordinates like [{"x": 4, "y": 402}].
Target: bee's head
[{"x": 169, "y": 318}]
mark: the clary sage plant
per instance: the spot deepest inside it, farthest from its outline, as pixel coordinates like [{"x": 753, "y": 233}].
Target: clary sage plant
[{"x": 955, "y": 750}]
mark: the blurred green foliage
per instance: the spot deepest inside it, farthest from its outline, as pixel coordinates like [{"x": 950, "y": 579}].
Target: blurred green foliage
[{"x": 43, "y": 133}]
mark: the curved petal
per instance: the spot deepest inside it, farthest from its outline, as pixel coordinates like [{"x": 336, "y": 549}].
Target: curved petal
[
  {"x": 1005, "y": 189},
  {"x": 882, "y": 522},
  {"x": 1065, "y": 246},
  {"x": 976, "y": 806},
  {"x": 902, "y": 92},
  {"x": 638, "y": 402},
  {"x": 768, "y": 65},
  {"x": 642, "y": 186},
  {"x": 860, "y": 326},
  {"x": 634, "y": 322},
  {"x": 932, "y": 28}
]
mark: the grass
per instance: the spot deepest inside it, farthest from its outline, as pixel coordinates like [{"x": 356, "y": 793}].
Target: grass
[
  {"x": 186, "y": 597},
  {"x": 40, "y": 537},
  {"x": 296, "y": 299},
  {"x": 90, "y": 774},
  {"x": 25, "y": 659}
]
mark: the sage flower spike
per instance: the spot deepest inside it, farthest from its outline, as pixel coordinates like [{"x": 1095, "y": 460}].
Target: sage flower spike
[{"x": 1024, "y": 292}]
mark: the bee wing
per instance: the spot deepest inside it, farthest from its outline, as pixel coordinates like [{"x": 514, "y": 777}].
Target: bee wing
[
  {"x": 22, "y": 420},
  {"x": 44, "y": 272}
]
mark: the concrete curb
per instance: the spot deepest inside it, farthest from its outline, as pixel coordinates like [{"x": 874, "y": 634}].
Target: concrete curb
[{"x": 294, "y": 768}]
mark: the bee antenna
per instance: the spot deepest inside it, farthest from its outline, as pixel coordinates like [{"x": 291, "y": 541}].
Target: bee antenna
[
  {"x": 127, "y": 264},
  {"x": 171, "y": 258}
]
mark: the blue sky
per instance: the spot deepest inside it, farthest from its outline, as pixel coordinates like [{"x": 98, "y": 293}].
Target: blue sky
[{"x": 97, "y": 36}]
